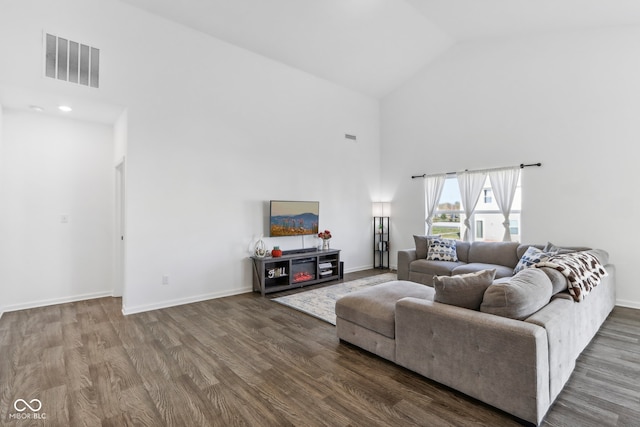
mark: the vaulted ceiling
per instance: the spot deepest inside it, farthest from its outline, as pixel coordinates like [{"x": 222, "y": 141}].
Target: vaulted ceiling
[
  {"x": 372, "y": 46},
  {"x": 369, "y": 46}
]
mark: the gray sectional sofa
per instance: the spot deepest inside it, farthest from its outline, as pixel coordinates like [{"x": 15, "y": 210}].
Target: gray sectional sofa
[{"x": 516, "y": 359}]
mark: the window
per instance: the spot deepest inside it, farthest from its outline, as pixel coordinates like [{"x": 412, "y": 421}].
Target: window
[
  {"x": 487, "y": 220},
  {"x": 446, "y": 221}
]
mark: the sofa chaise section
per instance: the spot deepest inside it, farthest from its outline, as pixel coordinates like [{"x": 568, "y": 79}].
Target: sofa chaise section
[{"x": 500, "y": 361}]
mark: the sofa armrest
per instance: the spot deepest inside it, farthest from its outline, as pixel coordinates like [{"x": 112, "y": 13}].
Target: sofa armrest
[
  {"x": 500, "y": 361},
  {"x": 571, "y": 326},
  {"x": 405, "y": 257}
]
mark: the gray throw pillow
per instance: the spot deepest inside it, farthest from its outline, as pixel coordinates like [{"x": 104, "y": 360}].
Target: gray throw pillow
[
  {"x": 520, "y": 297},
  {"x": 558, "y": 280},
  {"x": 550, "y": 247},
  {"x": 422, "y": 245},
  {"x": 463, "y": 290}
]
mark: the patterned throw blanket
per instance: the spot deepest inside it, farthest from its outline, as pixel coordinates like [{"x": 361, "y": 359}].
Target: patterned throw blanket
[{"x": 582, "y": 270}]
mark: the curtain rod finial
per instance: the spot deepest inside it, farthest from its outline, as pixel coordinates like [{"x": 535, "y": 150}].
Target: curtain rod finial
[{"x": 522, "y": 165}]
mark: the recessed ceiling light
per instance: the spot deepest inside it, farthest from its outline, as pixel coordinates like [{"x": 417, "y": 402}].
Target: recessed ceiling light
[
  {"x": 65, "y": 108},
  {"x": 37, "y": 108}
]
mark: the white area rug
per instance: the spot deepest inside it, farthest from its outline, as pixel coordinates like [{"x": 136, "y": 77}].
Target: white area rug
[{"x": 321, "y": 302}]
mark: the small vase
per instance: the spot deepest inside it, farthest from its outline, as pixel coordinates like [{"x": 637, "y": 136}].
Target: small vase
[{"x": 325, "y": 244}]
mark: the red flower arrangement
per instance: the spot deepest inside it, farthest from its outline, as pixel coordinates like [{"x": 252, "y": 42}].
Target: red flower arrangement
[{"x": 324, "y": 235}]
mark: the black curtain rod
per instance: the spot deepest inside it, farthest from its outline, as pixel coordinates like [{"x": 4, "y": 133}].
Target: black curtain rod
[{"x": 522, "y": 165}]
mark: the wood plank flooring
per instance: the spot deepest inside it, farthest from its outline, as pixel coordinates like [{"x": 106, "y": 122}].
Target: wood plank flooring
[{"x": 248, "y": 361}]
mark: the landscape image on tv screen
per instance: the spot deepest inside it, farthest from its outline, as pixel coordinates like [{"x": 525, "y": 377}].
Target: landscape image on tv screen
[{"x": 293, "y": 218}]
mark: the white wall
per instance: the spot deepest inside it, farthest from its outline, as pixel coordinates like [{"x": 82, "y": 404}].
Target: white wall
[
  {"x": 201, "y": 171},
  {"x": 570, "y": 101},
  {"x": 120, "y": 129},
  {"x": 214, "y": 132},
  {"x": 52, "y": 168}
]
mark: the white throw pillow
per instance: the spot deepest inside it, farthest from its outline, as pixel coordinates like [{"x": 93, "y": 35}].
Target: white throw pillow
[
  {"x": 532, "y": 256},
  {"x": 442, "y": 250}
]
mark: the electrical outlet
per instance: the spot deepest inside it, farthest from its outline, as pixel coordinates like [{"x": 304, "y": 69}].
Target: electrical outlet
[{"x": 165, "y": 280}]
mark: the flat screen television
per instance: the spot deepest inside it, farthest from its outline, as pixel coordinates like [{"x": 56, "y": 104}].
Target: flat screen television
[{"x": 293, "y": 218}]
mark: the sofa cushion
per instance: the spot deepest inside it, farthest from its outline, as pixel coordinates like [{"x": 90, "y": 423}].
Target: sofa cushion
[
  {"x": 558, "y": 280},
  {"x": 601, "y": 255},
  {"x": 550, "y": 247},
  {"x": 462, "y": 249},
  {"x": 464, "y": 290},
  {"x": 374, "y": 307},
  {"x": 532, "y": 256},
  {"x": 422, "y": 245},
  {"x": 442, "y": 249},
  {"x": 501, "y": 253},
  {"x": 436, "y": 268},
  {"x": 521, "y": 296},
  {"x": 501, "y": 270}
]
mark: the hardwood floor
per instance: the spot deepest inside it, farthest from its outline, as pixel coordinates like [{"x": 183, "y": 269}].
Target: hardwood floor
[{"x": 245, "y": 360}]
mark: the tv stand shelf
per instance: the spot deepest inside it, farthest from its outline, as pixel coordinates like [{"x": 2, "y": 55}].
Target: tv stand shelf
[{"x": 295, "y": 270}]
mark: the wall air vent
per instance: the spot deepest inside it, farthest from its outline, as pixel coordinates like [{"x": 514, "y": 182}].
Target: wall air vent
[
  {"x": 71, "y": 61},
  {"x": 351, "y": 137}
]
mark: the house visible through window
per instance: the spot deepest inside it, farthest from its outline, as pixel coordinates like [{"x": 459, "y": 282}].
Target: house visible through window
[
  {"x": 514, "y": 226},
  {"x": 487, "y": 195},
  {"x": 487, "y": 219},
  {"x": 479, "y": 230}
]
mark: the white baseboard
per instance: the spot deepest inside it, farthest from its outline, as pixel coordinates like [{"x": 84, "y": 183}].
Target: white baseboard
[
  {"x": 354, "y": 269},
  {"x": 182, "y": 301},
  {"x": 154, "y": 306},
  {"x": 54, "y": 301},
  {"x": 628, "y": 304},
  {"x": 365, "y": 267}
]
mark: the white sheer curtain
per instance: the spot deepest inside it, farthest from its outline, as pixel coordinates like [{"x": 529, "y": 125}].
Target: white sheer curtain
[
  {"x": 503, "y": 184},
  {"x": 432, "y": 192},
  {"x": 471, "y": 184}
]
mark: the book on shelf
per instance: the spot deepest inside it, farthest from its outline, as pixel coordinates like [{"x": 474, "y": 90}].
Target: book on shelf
[{"x": 325, "y": 265}]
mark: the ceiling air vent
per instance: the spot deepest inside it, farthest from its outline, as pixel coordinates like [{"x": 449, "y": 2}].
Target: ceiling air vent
[{"x": 71, "y": 61}]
